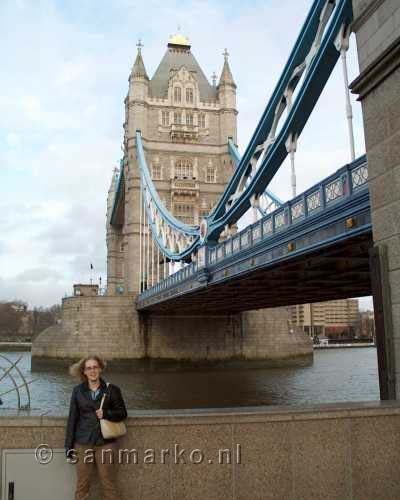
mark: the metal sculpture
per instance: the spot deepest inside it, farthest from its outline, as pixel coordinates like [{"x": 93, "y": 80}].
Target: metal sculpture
[{"x": 11, "y": 372}]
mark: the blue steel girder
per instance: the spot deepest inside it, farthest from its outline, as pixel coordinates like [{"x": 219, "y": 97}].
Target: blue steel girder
[
  {"x": 275, "y": 201},
  {"x": 161, "y": 221},
  {"x": 334, "y": 210},
  {"x": 318, "y": 68}
]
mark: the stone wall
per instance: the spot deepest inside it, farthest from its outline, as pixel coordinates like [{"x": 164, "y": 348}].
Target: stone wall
[
  {"x": 345, "y": 451},
  {"x": 377, "y": 26},
  {"x": 111, "y": 327},
  {"x": 108, "y": 326}
]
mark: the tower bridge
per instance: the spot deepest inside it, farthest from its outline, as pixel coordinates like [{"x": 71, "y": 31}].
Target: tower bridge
[
  {"x": 313, "y": 248},
  {"x": 182, "y": 188}
]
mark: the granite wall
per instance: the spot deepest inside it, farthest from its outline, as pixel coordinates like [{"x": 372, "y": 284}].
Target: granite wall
[{"x": 342, "y": 451}]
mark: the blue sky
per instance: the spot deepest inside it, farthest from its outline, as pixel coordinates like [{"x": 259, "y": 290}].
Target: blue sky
[{"x": 65, "y": 66}]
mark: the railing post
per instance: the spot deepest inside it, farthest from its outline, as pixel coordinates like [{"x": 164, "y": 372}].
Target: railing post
[
  {"x": 322, "y": 195},
  {"x": 305, "y": 206}
]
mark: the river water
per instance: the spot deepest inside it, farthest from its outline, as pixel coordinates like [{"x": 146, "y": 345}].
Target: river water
[{"x": 336, "y": 375}]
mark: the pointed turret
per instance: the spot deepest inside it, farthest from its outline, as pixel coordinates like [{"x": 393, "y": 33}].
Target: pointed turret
[
  {"x": 138, "y": 79},
  {"x": 137, "y": 95},
  {"x": 226, "y": 75},
  {"x": 227, "y": 98},
  {"x": 138, "y": 69}
]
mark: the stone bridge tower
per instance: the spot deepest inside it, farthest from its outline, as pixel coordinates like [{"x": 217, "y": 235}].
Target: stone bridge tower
[{"x": 185, "y": 123}]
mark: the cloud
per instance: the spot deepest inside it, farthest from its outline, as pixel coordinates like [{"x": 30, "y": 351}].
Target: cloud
[
  {"x": 13, "y": 139},
  {"x": 39, "y": 274}
]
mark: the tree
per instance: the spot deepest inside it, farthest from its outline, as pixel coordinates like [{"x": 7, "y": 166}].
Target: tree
[{"x": 11, "y": 316}]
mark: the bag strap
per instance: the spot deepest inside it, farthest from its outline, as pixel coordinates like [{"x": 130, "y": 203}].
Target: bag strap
[{"x": 103, "y": 398}]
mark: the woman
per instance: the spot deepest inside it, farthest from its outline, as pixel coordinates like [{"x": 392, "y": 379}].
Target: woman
[{"x": 84, "y": 443}]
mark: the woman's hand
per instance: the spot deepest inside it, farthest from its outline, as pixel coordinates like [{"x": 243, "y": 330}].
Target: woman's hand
[{"x": 99, "y": 414}]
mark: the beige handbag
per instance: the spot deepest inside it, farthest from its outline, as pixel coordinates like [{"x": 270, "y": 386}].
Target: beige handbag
[{"x": 110, "y": 429}]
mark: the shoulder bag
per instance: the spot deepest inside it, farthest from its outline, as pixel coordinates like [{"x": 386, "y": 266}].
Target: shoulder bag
[{"x": 110, "y": 429}]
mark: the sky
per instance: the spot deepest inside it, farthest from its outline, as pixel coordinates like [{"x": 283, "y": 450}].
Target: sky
[{"x": 65, "y": 68}]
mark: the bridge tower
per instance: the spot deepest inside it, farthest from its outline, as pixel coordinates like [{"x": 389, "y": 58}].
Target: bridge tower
[{"x": 185, "y": 123}]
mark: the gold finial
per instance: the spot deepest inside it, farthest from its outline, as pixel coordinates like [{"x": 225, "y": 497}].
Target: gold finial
[
  {"x": 139, "y": 45},
  {"x": 179, "y": 39},
  {"x": 225, "y": 53}
]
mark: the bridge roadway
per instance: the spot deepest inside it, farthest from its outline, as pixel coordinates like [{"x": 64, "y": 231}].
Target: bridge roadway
[{"x": 313, "y": 248}]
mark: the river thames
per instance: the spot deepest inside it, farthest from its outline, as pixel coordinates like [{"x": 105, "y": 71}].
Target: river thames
[{"x": 336, "y": 375}]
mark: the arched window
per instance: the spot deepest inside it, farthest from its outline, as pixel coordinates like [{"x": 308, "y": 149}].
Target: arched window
[
  {"x": 184, "y": 169},
  {"x": 156, "y": 173},
  {"x": 177, "y": 94},
  {"x": 189, "y": 118},
  {"x": 184, "y": 212},
  {"x": 211, "y": 176},
  {"x": 189, "y": 95},
  {"x": 165, "y": 118},
  {"x": 202, "y": 120},
  {"x": 177, "y": 118}
]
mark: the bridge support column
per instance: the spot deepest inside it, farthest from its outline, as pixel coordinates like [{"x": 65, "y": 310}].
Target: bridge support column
[
  {"x": 377, "y": 28},
  {"x": 263, "y": 336},
  {"x": 383, "y": 321}
]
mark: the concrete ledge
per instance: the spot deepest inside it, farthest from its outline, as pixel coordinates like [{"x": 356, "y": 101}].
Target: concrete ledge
[{"x": 347, "y": 450}]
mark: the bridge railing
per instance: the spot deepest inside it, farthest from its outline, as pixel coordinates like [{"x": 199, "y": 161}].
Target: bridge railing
[{"x": 340, "y": 185}]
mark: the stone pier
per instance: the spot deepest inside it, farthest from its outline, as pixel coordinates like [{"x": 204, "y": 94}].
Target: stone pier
[{"x": 111, "y": 327}]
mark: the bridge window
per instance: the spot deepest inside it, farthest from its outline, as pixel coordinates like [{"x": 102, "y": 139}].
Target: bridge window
[
  {"x": 202, "y": 120},
  {"x": 211, "y": 174},
  {"x": 184, "y": 212},
  {"x": 189, "y": 95},
  {"x": 189, "y": 118},
  {"x": 177, "y": 94},
  {"x": 184, "y": 169},
  {"x": 178, "y": 118},
  {"x": 156, "y": 173},
  {"x": 165, "y": 118}
]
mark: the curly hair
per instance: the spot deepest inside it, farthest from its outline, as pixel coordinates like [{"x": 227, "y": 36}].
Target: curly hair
[{"x": 77, "y": 370}]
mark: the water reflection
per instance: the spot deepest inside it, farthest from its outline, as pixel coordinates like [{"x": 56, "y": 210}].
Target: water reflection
[{"x": 336, "y": 375}]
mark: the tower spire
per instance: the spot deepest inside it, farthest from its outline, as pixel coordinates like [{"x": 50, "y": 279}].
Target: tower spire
[
  {"x": 226, "y": 75},
  {"x": 139, "y": 69}
]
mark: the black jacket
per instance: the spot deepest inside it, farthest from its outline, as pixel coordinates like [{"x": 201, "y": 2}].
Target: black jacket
[{"x": 83, "y": 426}]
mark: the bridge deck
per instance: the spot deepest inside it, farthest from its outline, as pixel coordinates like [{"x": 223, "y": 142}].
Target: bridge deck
[
  {"x": 335, "y": 272},
  {"x": 297, "y": 254}
]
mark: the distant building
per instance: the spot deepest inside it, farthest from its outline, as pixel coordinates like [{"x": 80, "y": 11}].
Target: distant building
[
  {"x": 366, "y": 325},
  {"x": 333, "y": 319}
]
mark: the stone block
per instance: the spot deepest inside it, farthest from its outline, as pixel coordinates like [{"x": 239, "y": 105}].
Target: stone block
[
  {"x": 396, "y": 321},
  {"x": 386, "y": 221},
  {"x": 149, "y": 478},
  {"x": 385, "y": 188},
  {"x": 375, "y": 458},
  {"x": 393, "y": 252},
  {"x": 266, "y": 468},
  {"x": 394, "y": 280},
  {"x": 188, "y": 479},
  {"x": 319, "y": 447}
]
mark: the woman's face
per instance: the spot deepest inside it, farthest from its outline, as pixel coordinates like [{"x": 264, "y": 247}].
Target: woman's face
[{"x": 92, "y": 370}]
